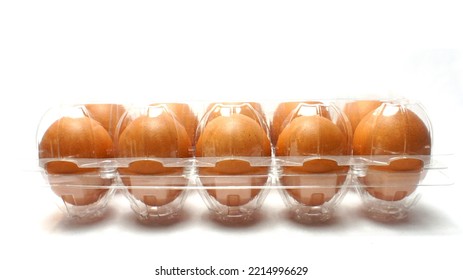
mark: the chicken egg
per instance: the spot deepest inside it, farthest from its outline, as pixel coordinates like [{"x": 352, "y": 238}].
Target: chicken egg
[
  {"x": 308, "y": 136},
  {"x": 251, "y": 109},
  {"x": 185, "y": 116},
  {"x": 158, "y": 136},
  {"x": 72, "y": 138},
  {"x": 108, "y": 115},
  {"x": 233, "y": 135},
  {"x": 394, "y": 130},
  {"x": 286, "y": 111},
  {"x": 356, "y": 110}
]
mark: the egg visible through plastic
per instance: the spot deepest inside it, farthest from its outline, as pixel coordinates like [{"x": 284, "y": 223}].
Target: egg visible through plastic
[
  {"x": 70, "y": 138},
  {"x": 287, "y": 111},
  {"x": 393, "y": 130},
  {"x": 357, "y": 110},
  {"x": 321, "y": 178},
  {"x": 184, "y": 115},
  {"x": 108, "y": 115},
  {"x": 250, "y": 109},
  {"x": 233, "y": 135},
  {"x": 159, "y": 136}
]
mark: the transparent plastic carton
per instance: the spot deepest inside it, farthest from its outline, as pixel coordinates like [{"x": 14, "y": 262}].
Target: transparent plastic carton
[{"x": 313, "y": 152}]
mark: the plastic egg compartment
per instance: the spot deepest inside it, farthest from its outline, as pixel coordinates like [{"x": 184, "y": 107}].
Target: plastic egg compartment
[{"x": 233, "y": 186}]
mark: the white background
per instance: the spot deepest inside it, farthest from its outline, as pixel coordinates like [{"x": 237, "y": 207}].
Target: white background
[{"x": 129, "y": 51}]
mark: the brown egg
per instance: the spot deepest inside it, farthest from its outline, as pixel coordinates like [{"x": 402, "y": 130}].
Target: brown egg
[
  {"x": 251, "y": 109},
  {"x": 391, "y": 183},
  {"x": 284, "y": 111},
  {"x": 161, "y": 136},
  {"x": 311, "y": 135},
  {"x": 306, "y": 136},
  {"x": 393, "y": 130},
  {"x": 321, "y": 181},
  {"x": 355, "y": 111},
  {"x": 234, "y": 135},
  {"x": 70, "y": 138},
  {"x": 185, "y": 116},
  {"x": 108, "y": 115},
  {"x": 148, "y": 180}
]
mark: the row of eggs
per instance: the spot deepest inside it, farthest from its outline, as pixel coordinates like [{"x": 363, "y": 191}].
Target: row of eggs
[{"x": 238, "y": 129}]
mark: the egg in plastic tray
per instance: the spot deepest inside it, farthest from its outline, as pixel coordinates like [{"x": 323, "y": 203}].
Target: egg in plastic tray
[{"x": 235, "y": 154}]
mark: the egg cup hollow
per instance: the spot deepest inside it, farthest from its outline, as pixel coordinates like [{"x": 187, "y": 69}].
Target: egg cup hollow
[
  {"x": 155, "y": 198},
  {"x": 312, "y": 198},
  {"x": 234, "y": 198},
  {"x": 83, "y": 197},
  {"x": 389, "y": 196}
]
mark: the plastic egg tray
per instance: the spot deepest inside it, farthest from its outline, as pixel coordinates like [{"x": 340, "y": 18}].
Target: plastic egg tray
[{"x": 233, "y": 154}]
